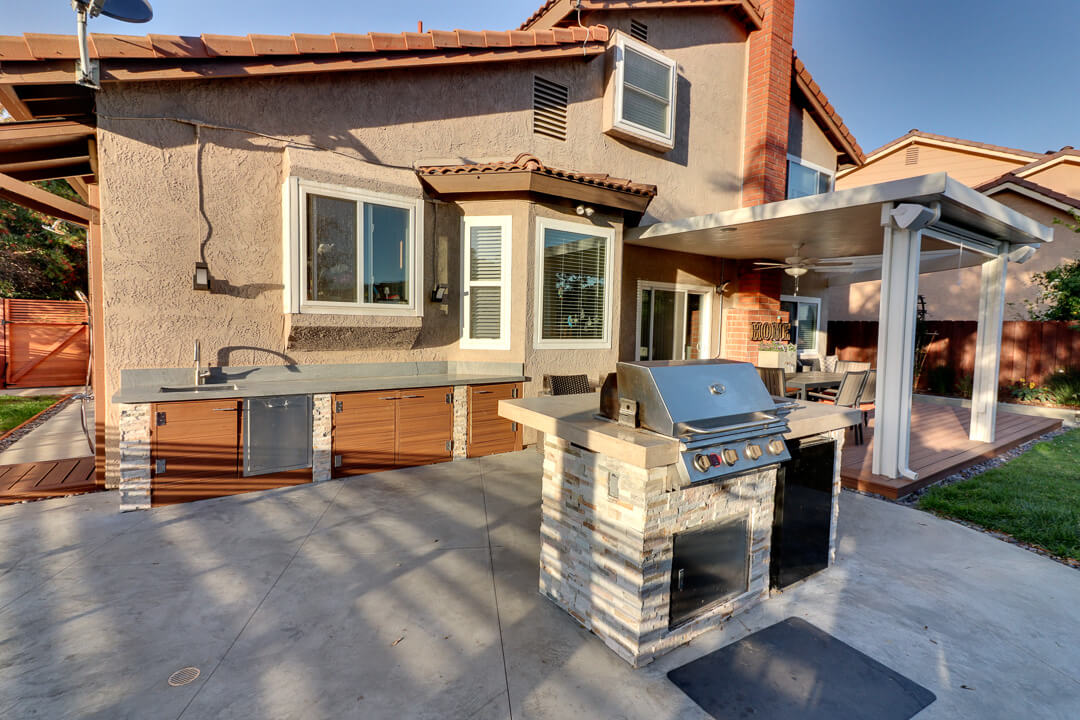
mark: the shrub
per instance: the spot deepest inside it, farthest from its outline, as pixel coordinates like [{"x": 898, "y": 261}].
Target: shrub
[
  {"x": 1064, "y": 386},
  {"x": 1030, "y": 391},
  {"x": 965, "y": 385},
  {"x": 940, "y": 379}
]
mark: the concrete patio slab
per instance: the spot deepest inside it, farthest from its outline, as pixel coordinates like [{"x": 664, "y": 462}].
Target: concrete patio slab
[
  {"x": 58, "y": 438},
  {"x": 335, "y": 600}
]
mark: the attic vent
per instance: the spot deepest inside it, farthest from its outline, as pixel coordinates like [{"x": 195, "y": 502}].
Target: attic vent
[
  {"x": 639, "y": 31},
  {"x": 549, "y": 108},
  {"x": 911, "y": 157}
]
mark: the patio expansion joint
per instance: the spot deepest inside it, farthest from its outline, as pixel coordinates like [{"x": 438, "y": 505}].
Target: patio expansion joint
[
  {"x": 495, "y": 591},
  {"x": 255, "y": 610}
]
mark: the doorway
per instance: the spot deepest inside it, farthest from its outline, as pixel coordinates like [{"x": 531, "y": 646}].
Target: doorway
[{"x": 673, "y": 321}]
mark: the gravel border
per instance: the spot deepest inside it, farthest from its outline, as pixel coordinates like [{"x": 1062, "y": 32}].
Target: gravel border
[
  {"x": 19, "y": 432},
  {"x": 977, "y": 469}
]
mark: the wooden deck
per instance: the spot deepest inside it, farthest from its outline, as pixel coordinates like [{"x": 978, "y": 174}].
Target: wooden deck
[
  {"x": 40, "y": 480},
  {"x": 939, "y": 447}
]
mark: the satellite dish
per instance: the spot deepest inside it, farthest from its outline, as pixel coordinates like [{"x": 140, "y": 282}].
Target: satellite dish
[{"x": 132, "y": 11}]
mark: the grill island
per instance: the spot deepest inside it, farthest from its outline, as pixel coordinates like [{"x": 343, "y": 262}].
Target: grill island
[{"x": 660, "y": 518}]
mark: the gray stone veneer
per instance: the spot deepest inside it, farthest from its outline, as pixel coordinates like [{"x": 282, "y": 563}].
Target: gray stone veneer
[
  {"x": 461, "y": 422},
  {"x": 606, "y": 544},
  {"x": 322, "y": 423},
  {"x": 134, "y": 483}
]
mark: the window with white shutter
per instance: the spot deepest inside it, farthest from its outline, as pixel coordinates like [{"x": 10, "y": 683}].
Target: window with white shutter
[
  {"x": 574, "y": 269},
  {"x": 804, "y": 316},
  {"x": 644, "y": 96},
  {"x": 485, "y": 283}
]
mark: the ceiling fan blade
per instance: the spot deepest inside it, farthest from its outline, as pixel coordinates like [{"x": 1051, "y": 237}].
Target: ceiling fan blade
[
  {"x": 771, "y": 264},
  {"x": 832, "y": 264},
  {"x": 795, "y": 260}
]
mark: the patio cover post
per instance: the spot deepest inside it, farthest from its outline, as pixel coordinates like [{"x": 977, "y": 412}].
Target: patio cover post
[
  {"x": 988, "y": 348},
  {"x": 896, "y": 347}
]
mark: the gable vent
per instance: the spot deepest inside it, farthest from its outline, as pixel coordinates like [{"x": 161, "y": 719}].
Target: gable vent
[
  {"x": 549, "y": 108},
  {"x": 911, "y": 157},
  {"x": 639, "y": 31}
]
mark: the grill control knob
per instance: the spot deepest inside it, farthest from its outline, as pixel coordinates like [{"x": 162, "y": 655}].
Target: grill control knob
[
  {"x": 701, "y": 462},
  {"x": 730, "y": 456},
  {"x": 753, "y": 451},
  {"x": 715, "y": 459},
  {"x": 776, "y": 446}
]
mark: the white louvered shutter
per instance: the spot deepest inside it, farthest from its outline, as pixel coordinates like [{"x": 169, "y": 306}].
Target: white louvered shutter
[{"x": 485, "y": 283}]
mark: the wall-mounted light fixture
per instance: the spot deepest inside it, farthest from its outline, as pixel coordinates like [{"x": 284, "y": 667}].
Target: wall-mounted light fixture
[
  {"x": 438, "y": 293},
  {"x": 584, "y": 210},
  {"x": 723, "y": 287},
  {"x": 201, "y": 280}
]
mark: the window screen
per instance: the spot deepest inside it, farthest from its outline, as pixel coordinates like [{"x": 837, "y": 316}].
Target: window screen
[
  {"x": 646, "y": 91},
  {"x": 574, "y": 286}
]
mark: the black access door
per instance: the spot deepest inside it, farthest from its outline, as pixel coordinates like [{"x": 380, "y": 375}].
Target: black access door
[
  {"x": 708, "y": 566},
  {"x": 803, "y": 512}
]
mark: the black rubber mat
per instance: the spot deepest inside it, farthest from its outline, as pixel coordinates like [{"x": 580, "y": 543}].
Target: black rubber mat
[{"x": 794, "y": 670}]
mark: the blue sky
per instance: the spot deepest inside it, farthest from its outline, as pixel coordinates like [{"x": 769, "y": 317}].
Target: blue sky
[{"x": 987, "y": 70}]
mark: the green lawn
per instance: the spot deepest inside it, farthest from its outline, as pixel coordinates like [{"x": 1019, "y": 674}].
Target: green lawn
[
  {"x": 14, "y": 410},
  {"x": 1035, "y": 498}
]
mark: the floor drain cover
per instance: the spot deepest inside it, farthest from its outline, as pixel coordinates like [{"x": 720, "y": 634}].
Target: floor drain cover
[{"x": 183, "y": 676}]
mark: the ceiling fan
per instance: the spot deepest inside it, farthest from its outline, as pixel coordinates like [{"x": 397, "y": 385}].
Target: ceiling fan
[{"x": 796, "y": 265}]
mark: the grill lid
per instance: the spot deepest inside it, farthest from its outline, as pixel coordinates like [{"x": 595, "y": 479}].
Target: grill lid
[{"x": 675, "y": 397}]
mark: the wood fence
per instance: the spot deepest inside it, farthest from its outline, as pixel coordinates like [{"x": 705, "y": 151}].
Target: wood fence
[
  {"x": 1029, "y": 350},
  {"x": 43, "y": 343}
]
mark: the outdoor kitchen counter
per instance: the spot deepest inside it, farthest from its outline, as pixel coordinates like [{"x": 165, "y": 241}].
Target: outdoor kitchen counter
[
  {"x": 575, "y": 418},
  {"x": 149, "y": 386}
]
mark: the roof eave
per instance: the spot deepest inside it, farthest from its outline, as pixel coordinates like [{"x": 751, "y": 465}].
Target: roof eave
[{"x": 461, "y": 184}]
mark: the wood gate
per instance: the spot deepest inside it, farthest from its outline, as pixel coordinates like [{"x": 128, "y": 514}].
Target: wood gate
[{"x": 46, "y": 343}]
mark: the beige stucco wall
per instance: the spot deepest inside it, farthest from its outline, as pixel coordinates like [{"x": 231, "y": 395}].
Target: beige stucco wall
[
  {"x": 954, "y": 294},
  {"x": 807, "y": 141},
  {"x": 374, "y": 127},
  {"x": 1062, "y": 176},
  {"x": 970, "y": 168}
]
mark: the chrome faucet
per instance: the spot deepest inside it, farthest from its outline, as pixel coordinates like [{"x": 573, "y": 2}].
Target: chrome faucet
[{"x": 200, "y": 374}]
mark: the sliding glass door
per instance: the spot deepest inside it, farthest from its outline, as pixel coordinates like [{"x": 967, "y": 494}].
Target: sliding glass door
[{"x": 673, "y": 322}]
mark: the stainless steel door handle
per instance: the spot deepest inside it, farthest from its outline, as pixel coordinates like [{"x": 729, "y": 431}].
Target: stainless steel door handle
[{"x": 223, "y": 409}]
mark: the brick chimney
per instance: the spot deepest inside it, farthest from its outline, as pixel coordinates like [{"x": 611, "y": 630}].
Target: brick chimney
[{"x": 768, "y": 99}]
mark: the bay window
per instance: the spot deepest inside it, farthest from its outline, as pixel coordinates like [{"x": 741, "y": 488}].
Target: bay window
[{"x": 573, "y": 284}]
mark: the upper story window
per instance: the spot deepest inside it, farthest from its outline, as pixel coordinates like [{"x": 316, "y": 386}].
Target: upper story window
[
  {"x": 644, "y": 94},
  {"x": 351, "y": 251},
  {"x": 573, "y": 284},
  {"x": 805, "y": 178},
  {"x": 485, "y": 286}
]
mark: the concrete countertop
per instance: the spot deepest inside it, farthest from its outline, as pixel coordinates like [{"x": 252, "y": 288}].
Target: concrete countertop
[
  {"x": 312, "y": 386},
  {"x": 574, "y": 418}
]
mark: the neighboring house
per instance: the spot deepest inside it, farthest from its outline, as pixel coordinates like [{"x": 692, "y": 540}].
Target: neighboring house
[{"x": 1044, "y": 186}]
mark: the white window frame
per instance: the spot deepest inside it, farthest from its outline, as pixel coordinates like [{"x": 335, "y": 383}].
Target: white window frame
[
  {"x": 624, "y": 126},
  {"x": 819, "y": 334},
  {"x": 296, "y": 243},
  {"x": 819, "y": 169},
  {"x": 504, "y": 222},
  {"x": 706, "y": 316},
  {"x": 609, "y": 278}
]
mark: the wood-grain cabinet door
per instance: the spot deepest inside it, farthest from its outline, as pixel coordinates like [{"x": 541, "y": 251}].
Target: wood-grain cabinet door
[
  {"x": 195, "y": 450},
  {"x": 488, "y": 432},
  {"x": 425, "y": 426},
  {"x": 364, "y": 431}
]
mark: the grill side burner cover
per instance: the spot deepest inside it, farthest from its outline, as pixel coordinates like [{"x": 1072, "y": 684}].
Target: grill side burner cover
[{"x": 708, "y": 566}]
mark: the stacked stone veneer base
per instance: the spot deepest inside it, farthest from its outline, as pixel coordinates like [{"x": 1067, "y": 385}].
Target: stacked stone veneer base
[{"x": 606, "y": 544}]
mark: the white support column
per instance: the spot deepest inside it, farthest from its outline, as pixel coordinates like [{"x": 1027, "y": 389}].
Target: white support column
[
  {"x": 988, "y": 348},
  {"x": 896, "y": 349}
]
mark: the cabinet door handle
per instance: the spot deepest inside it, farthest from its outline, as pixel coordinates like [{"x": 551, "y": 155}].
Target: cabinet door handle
[
  {"x": 484, "y": 392},
  {"x": 394, "y": 397},
  {"x": 410, "y": 397},
  {"x": 223, "y": 409}
]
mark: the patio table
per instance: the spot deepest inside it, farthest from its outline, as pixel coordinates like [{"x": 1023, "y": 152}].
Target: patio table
[{"x": 814, "y": 380}]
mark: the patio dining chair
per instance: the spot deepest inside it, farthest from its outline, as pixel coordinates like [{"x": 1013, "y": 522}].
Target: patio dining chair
[
  {"x": 867, "y": 396},
  {"x": 847, "y": 395},
  {"x": 775, "y": 380},
  {"x": 845, "y": 366},
  {"x": 569, "y": 384}
]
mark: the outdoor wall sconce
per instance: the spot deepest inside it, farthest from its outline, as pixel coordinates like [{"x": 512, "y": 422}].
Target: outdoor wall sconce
[
  {"x": 723, "y": 287},
  {"x": 438, "y": 293},
  {"x": 201, "y": 281},
  {"x": 584, "y": 210}
]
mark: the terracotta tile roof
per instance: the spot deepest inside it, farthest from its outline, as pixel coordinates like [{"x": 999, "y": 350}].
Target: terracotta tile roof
[
  {"x": 567, "y": 9},
  {"x": 800, "y": 73},
  {"x": 1049, "y": 157},
  {"x": 36, "y": 46},
  {"x": 526, "y": 162},
  {"x": 1012, "y": 177},
  {"x": 916, "y": 133}
]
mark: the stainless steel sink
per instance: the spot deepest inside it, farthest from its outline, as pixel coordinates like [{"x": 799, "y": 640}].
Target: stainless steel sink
[{"x": 211, "y": 388}]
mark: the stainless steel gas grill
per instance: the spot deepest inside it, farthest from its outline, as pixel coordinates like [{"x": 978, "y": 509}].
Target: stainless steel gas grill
[{"x": 719, "y": 409}]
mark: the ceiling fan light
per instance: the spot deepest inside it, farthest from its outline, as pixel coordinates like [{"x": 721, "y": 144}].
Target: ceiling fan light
[{"x": 796, "y": 271}]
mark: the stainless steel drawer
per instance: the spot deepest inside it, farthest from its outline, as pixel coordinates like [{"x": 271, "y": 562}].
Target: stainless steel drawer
[{"x": 277, "y": 434}]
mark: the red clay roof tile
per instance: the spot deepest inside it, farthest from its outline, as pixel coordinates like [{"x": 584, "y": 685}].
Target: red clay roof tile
[
  {"x": 314, "y": 44},
  {"x": 175, "y": 46},
  {"x": 800, "y": 73},
  {"x": 1011, "y": 177},
  {"x": 526, "y": 162},
  {"x": 569, "y": 10}
]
